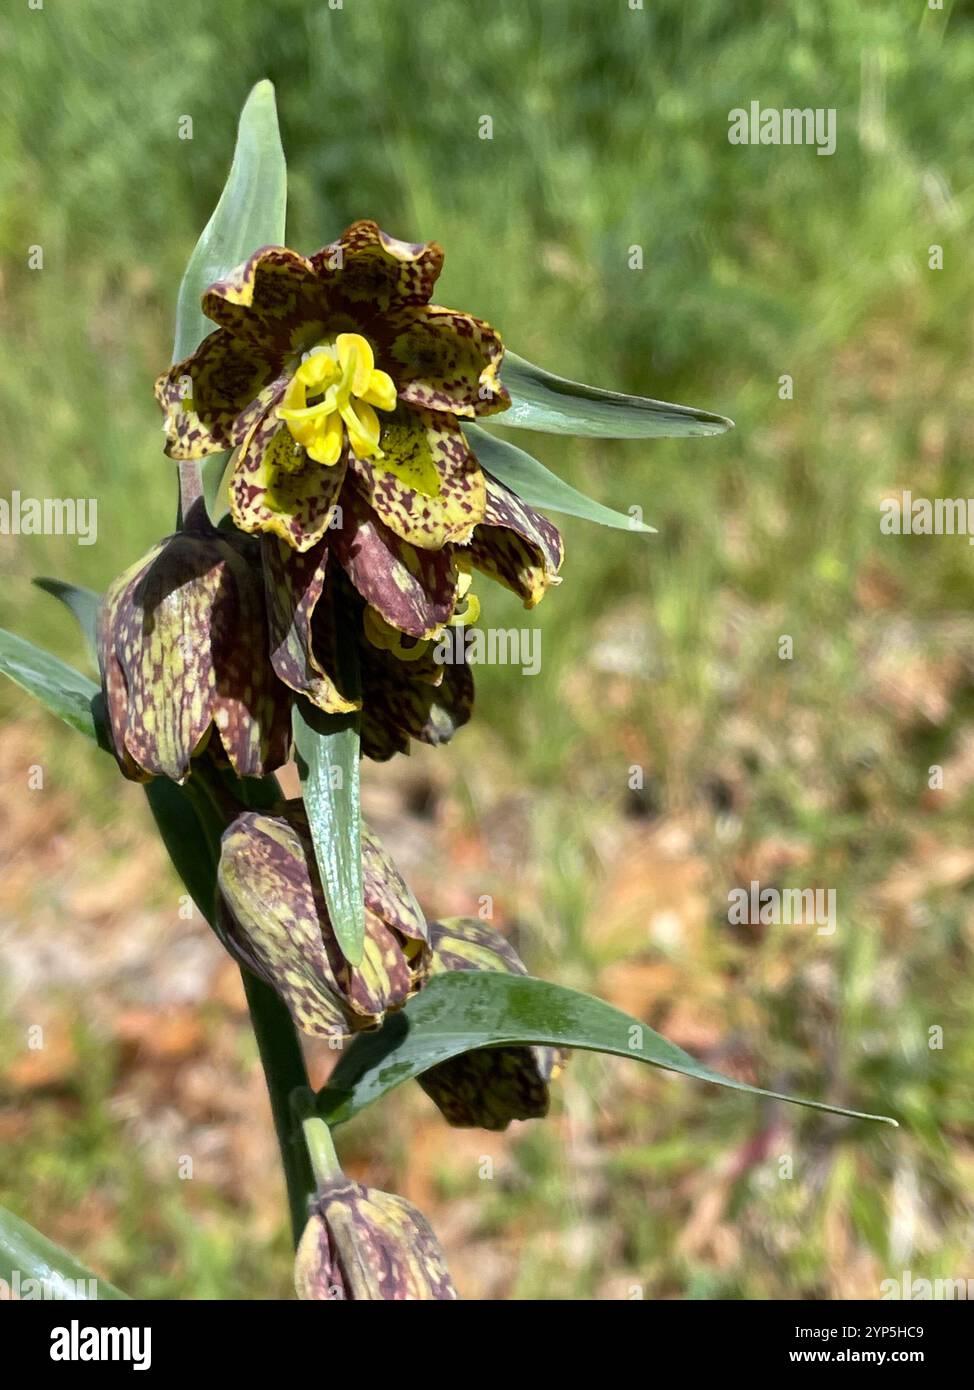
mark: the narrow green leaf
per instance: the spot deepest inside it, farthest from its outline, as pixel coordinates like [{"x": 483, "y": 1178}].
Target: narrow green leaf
[
  {"x": 83, "y": 603},
  {"x": 25, "y": 1254},
  {"x": 73, "y": 697},
  {"x": 251, "y": 213},
  {"x": 467, "y": 1010},
  {"x": 539, "y": 486},
  {"x": 542, "y": 401},
  {"x": 327, "y": 754}
]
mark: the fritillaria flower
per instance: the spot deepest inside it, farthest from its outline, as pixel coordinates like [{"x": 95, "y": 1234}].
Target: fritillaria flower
[
  {"x": 336, "y": 368},
  {"x": 343, "y": 390},
  {"x": 363, "y": 585},
  {"x": 492, "y": 1086},
  {"x": 183, "y": 650},
  {"x": 273, "y": 918},
  {"x": 361, "y": 1243}
]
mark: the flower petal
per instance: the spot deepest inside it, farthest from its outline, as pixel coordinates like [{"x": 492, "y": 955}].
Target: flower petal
[
  {"x": 212, "y": 399},
  {"x": 293, "y": 584},
  {"x": 367, "y": 272},
  {"x": 183, "y": 648},
  {"x": 387, "y": 894},
  {"x": 428, "y": 487},
  {"x": 274, "y": 300},
  {"x": 489, "y": 1088},
  {"x": 516, "y": 545},
  {"x": 251, "y": 711},
  {"x": 364, "y": 1244},
  {"x": 444, "y": 359},
  {"x": 274, "y": 922},
  {"x": 414, "y": 590},
  {"x": 381, "y": 741},
  {"x": 467, "y": 943},
  {"x": 276, "y": 488},
  {"x": 396, "y": 707},
  {"x": 277, "y": 918},
  {"x": 383, "y": 974}
]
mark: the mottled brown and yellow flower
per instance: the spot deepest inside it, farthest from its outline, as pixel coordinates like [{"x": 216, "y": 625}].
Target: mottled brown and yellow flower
[
  {"x": 361, "y": 1243},
  {"x": 273, "y": 917},
  {"x": 337, "y": 368},
  {"x": 184, "y": 655},
  {"x": 371, "y": 524}
]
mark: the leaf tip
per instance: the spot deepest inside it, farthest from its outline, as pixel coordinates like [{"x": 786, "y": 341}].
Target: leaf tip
[
  {"x": 353, "y": 951},
  {"x": 261, "y": 91}
]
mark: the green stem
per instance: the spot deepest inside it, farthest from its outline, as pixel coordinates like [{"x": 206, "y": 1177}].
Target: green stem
[
  {"x": 321, "y": 1149},
  {"x": 284, "y": 1072}
]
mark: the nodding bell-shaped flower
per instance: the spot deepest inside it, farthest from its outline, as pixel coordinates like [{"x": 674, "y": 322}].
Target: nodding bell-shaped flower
[
  {"x": 361, "y": 1243},
  {"x": 184, "y": 656},
  {"x": 408, "y": 611},
  {"x": 272, "y": 916},
  {"x": 492, "y": 1086}
]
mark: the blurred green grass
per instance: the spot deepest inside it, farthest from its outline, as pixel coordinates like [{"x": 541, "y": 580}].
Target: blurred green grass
[{"x": 609, "y": 131}]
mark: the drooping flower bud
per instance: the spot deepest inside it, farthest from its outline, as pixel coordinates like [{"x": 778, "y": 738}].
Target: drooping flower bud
[
  {"x": 183, "y": 651},
  {"x": 274, "y": 919},
  {"x": 361, "y": 1243},
  {"x": 491, "y": 1086}
]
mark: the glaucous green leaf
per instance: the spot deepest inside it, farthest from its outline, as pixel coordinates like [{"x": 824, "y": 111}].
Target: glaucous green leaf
[
  {"x": 542, "y": 401},
  {"x": 327, "y": 754},
  {"x": 465, "y": 1010},
  {"x": 83, "y": 603},
  {"x": 27, "y": 1255},
  {"x": 251, "y": 213},
  {"x": 73, "y": 697},
  {"x": 538, "y": 486}
]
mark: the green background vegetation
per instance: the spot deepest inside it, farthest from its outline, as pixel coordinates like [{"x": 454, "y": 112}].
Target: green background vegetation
[{"x": 609, "y": 131}]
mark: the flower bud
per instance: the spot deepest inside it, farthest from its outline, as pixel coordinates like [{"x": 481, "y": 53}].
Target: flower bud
[
  {"x": 274, "y": 919},
  {"x": 361, "y": 1243},
  {"x": 183, "y": 651},
  {"x": 494, "y": 1085}
]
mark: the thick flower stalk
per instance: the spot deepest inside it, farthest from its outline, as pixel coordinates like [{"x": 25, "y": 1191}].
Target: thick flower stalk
[
  {"x": 273, "y": 917},
  {"x": 492, "y": 1086}
]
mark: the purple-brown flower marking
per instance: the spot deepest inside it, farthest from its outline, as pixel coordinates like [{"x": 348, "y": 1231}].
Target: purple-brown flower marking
[
  {"x": 306, "y": 351},
  {"x": 274, "y": 919},
  {"x": 492, "y": 1086},
  {"x": 395, "y": 599},
  {"x": 361, "y": 1243},
  {"x": 516, "y": 545},
  {"x": 183, "y": 650},
  {"x": 340, "y": 357}
]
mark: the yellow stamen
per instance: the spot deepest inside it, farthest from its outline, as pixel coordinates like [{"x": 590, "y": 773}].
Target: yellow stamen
[
  {"x": 471, "y": 612},
  {"x": 389, "y": 639},
  {"x": 337, "y": 382}
]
